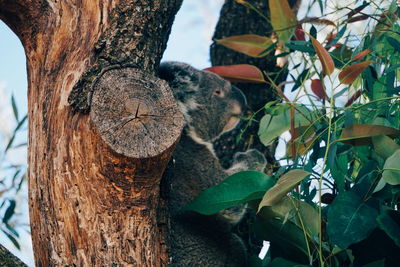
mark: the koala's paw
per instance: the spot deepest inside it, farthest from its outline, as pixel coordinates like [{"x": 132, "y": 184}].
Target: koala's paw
[
  {"x": 250, "y": 160},
  {"x": 233, "y": 215}
]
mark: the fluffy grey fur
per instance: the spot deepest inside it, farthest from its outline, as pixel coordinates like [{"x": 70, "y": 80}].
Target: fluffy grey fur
[{"x": 209, "y": 103}]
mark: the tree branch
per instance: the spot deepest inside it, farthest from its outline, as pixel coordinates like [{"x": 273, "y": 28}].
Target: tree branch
[
  {"x": 8, "y": 259},
  {"x": 24, "y": 17}
]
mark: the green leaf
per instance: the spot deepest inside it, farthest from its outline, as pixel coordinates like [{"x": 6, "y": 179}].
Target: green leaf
[
  {"x": 301, "y": 46},
  {"x": 283, "y": 186},
  {"x": 14, "y": 107},
  {"x": 21, "y": 122},
  {"x": 9, "y": 212},
  {"x": 389, "y": 221},
  {"x": 391, "y": 173},
  {"x": 19, "y": 125},
  {"x": 337, "y": 37},
  {"x": 301, "y": 78},
  {"x": 12, "y": 230},
  {"x": 379, "y": 263},
  {"x": 251, "y": 45},
  {"x": 12, "y": 239},
  {"x": 286, "y": 236},
  {"x": 394, "y": 43},
  {"x": 10, "y": 142},
  {"x": 293, "y": 209},
  {"x": 237, "y": 189},
  {"x": 350, "y": 219},
  {"x": 339, "y": 169},
  {"x": 283, "y": 19},
  {"x": 280, "y": 262},
  {"x": 384, "y": 145},
  {"x": 272, "y": 127}
]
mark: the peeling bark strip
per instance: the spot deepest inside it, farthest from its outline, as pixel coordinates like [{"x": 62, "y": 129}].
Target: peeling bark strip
[
  {"x": 89, "y": 205},
  {"x": 136, "y": 113}
]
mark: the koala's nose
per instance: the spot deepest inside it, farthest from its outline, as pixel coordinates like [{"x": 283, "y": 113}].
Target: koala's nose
[{"x": 240, "y": 100}]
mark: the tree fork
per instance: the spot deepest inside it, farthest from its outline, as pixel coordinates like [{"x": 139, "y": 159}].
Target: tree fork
[{"x": 93, "y": 184}]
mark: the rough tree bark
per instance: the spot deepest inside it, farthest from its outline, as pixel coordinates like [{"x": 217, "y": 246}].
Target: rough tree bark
[
  {"x": 93, "y": 192},
  {"x": 8, "y": 259}
]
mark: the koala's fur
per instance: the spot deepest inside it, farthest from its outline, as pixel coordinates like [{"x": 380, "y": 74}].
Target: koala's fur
[{"x": 210, "y": 105}]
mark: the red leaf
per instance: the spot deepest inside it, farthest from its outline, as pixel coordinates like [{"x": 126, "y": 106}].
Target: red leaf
[
  {"x": 353, "y": 98},
  {"x": 350, "y": 73},
  {"x": 360, "y": 134},
  {"x": 315, "y": 20},
  {"x": 318, "y": 88},
  {"x": 249, "y": 44},
  {"x": 357, "y": 10},
  {"x": 361, "y": 55},
  {"x": 358, "y": 18},
  {"x": 299, "y": 33},
  {"x": 330, "y": 38},
  {"x": 244, "y": 73},
  {"x": 326, "y": 60}
]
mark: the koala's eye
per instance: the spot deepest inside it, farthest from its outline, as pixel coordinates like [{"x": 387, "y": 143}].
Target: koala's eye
[{"x": 218, "y": 92}]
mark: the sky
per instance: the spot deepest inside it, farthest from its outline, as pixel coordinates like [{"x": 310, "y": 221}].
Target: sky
[{"x": 189, "y": 42}]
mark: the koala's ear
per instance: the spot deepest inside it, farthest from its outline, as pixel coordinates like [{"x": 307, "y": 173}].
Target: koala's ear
[{"x": 183, "y": 79}]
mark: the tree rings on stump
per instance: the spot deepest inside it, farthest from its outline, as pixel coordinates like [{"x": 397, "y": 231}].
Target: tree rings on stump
[{"x": 135, "y": 113}]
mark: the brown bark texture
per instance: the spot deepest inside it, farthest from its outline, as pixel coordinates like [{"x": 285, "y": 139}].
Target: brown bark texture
[
  {"x": 94, "y": 194},
  {"x": 7, "y": 259}
]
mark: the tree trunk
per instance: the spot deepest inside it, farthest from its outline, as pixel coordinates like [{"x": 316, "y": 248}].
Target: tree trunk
[{"x": 94, "y": 178}]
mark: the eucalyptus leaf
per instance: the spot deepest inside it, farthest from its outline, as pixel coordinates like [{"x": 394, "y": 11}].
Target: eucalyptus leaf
[
  {"x": 360, "y": 134},
  {"x": 350, "y": 219},
  {"x": 283, "y": 186},
  {"x": 298, "y": 212},
  {"x": 391, "y": 173},
  {"x": 14, "y": 107},
  {"x": 389, "y": 221},
  {"x": 380, "y": 263},
  {"x": 12, "y": 239},
  {"x": 280, "y": 262},
  {"x": 272, "y": 127},
  {"x": 287, "y": 236},
  {"x": 301, "y": 46},
  {"x": 384, "y": 146},
  {"x": 283, "y": 19},
  {"x": 237, "y": 189},
  {"x": 394, "y": 43},
  {"x": 9, "y": 211}
]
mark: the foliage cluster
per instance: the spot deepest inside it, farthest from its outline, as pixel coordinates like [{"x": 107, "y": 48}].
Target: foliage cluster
[
  {"x": 334, "y": 199},
  {"x": 12, "y": 178}
]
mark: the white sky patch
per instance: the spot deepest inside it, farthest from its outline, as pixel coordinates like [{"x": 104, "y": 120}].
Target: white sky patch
[
  {"x": 6, "y": 113},
  {"x": 192, "y": 33}
]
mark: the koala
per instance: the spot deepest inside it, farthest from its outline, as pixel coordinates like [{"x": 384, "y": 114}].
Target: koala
[{"x": 211, "y": 106}]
